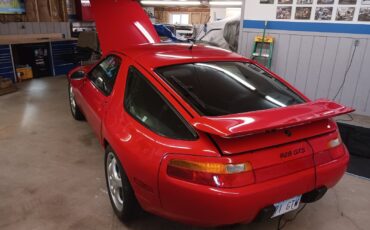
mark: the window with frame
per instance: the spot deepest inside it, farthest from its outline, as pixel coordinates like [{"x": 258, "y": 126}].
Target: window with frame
[
  {"x": 151, "y": 109},
  {"x": 182, "y": 19},
  {"x": 104, "y": 75}
]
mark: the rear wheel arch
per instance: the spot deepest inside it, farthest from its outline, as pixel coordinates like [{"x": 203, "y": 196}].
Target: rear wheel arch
[
  {"x": 105, "y": 143},
  {"x": 129, "y": 208}
]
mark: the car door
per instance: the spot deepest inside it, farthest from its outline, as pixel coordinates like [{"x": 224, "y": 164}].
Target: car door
[{"x": 97, "y": 90}]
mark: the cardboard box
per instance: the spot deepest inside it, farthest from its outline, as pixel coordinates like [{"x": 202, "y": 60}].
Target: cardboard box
[{"x": 24, "y": 73}]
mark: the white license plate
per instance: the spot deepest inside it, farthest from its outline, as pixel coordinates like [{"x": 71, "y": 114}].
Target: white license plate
[{"x": 286, "y": 206}]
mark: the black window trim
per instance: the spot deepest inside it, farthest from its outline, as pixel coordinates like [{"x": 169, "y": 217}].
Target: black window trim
[
  {"x": 187, "y": 125},
  {"x": 92, "y": 82}
]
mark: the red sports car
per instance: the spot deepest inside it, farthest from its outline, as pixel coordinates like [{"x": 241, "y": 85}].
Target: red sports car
[{"x": 199, "y": 134}]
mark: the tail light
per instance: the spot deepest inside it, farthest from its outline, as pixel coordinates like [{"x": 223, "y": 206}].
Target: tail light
[
  {"x": 333, "y": 150},
  {"x": 336, "y": 148},
  {"x": 212, "y": 174}
]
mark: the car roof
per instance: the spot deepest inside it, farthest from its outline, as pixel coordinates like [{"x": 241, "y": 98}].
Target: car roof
[{"x": 152, "y": 56}]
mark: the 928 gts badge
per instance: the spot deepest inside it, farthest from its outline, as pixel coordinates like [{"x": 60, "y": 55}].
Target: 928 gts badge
[{"x": 292, "y": 153}]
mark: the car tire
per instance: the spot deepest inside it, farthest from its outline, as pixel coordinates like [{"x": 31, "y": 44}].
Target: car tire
[
  {"x": 75, "y": 110},
  {"x": 121, "y": 194}
]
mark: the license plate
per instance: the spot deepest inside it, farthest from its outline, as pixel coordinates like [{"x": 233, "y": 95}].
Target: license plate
[{"x": 286, "y": 206}]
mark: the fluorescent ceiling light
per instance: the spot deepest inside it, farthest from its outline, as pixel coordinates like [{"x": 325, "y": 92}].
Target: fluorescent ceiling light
[
  {"x": 225, "y": 3},
  {"x": 178, "y": 3}
]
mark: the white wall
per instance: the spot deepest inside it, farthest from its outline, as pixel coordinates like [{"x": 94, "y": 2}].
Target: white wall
[
  {"x": 315, "y": 62},
  {"x": 218, "y": 13}
]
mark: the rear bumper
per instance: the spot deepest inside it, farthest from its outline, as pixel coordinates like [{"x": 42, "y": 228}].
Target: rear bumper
[
  {"x": 207, "y": 206},
  {"x": 330, "y": 173}
]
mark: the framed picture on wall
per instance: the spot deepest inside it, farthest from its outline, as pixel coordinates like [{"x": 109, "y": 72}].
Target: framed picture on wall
[
  {"x": 365, "y": 2},
  {"x": 347, "y": 2},
  {"x": 304, "y": 2},
  {"x": 345, "y": 13},
  {"x": 284, "y": 12},
  {"x": 285, "y": 1},
  {"x": 364, "y": 14},
  {"x": 267, "y": 1},
  {"x": 303, "y": 13},
  {"x": 323, "y": 13},
  {"x": 325, "y": 2}
]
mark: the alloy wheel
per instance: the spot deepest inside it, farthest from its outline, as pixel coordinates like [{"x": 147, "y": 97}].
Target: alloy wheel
[{"x": 114, "y": 181}]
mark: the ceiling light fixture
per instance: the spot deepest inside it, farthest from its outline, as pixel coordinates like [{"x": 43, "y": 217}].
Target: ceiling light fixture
[
  {"x": 178, "y": 3},
  {"x": 225, "y": 3}
]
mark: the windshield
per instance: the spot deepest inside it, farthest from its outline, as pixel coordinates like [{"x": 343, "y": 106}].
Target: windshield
[{"x": 222, "y": 88}]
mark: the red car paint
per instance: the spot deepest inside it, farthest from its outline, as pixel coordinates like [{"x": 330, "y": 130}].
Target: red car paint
[{"x": 283, "y": 165}]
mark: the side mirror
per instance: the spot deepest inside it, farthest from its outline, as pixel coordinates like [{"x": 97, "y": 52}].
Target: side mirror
[{"x": 78, "y": 74}]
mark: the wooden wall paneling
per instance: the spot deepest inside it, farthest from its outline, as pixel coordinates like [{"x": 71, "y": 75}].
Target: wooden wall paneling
[
  {"x": 44, "y": 10},
  {"x": 195, "y": 18}
]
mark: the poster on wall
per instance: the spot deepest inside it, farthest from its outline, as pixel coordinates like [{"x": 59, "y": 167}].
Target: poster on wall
[
  {"x": 347, "y": 2},
  {"x": 303, "y": 13},
  {"x": 345, "y": 13},
  {"x": 12, "y": 7},
  {"x": 284, "y": 12},
  {"x": 364, "y": 14},
  {"x": 323, "y": 13},
  {"x": 267, "y": 1},
  {"x": 304, "y": 2},
  {"x": 285, "y": 1},
  {"x": 365, "y": 2},
  {"x": 325, "y": 2}
]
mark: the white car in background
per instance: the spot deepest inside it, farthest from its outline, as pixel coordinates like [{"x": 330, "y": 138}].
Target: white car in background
[{"x": 223, "y": 33}]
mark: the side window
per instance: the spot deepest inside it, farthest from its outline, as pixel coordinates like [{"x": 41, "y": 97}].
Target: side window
[
  {"x": 147, "y": 106},
  {"x": 104, "y": 74}
]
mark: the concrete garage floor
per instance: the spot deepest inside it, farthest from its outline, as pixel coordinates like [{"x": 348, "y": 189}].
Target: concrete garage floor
[{"x": 52, "y": 176}]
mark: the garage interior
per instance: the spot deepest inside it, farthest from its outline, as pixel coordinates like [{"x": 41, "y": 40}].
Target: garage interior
[{"x": 51, "y": 166}]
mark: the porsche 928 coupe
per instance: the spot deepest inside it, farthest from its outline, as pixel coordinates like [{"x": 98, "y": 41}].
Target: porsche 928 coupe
[{"x": 198, "y": 134}]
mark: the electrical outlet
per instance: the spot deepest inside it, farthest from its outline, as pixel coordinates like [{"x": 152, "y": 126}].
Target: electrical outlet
[{"x": 357, "y": 42}]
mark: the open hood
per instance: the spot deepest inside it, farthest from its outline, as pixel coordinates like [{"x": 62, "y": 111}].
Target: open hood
[
  {"x": 121, "y": 24},
  {"x": 255, "y": 122}
]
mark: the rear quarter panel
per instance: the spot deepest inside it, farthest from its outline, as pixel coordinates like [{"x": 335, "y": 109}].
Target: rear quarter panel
[{"x": 139, "y": 149}]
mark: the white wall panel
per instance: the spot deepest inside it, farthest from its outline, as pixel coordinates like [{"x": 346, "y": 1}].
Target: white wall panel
[
  {"x": 315, "y": 63},
  {"x": 314, "y": 67}
]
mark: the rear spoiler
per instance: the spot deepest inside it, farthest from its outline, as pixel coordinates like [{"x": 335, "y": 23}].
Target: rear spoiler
[{"x": 242, "y": 124}]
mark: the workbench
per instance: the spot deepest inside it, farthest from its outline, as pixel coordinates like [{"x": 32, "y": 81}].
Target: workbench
[{"x": 62, "y": 52}]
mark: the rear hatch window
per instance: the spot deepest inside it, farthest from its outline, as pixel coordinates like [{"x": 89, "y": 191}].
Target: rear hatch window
[{"x": 222, "y": 88}]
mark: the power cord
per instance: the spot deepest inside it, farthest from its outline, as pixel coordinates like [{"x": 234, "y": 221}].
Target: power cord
[
  {"x": 347, "y": 70},
  {"x": 281, "y": 226}
]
